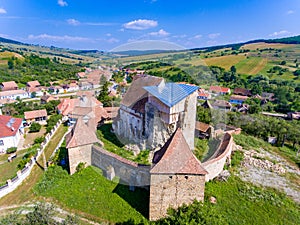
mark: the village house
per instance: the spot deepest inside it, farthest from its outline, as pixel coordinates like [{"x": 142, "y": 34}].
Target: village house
[
  {"x": 6, "y": 101},
  {"x": 14, "y": 94},
  {"x": 34, "y": 87},
  {"x": 203, "y": 94},
  {"x": 66, "y": 105},
  {"x": 81, "y": 75},
  {"x": 203, "y": 130},
  {"x": 237, "y": 99},
  {"x": 242, "y": 91},
  {"x": 11, "y": 130},
  {"x": 73, "y": 87},
  {"x": 8, "y": 86},
  {"x": 219, "y": 90},
  {"x": 85, "y": 85},
  {"x": 39, "y": 116},
  {"x": 222, "y": 104},
  {"x": 47, "y": 98}
]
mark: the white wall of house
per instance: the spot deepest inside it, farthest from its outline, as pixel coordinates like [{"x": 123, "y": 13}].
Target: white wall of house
[
  {"x": 8, "y": 142},
  {"x": 14, "y": 95}
]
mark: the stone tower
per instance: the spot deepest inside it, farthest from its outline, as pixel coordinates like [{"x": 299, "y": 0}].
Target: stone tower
[{"x": 177, "y": 177}]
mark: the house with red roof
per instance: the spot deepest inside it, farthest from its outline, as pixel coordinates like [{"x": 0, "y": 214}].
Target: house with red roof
[
  {"x": 11, "y": 130},
  {"x": 203, "y": 94},
  {"x": 34, "y": 87},
  {"x": 219, "y": 90},
  {"x": 8, "y": 86},
  {"x": 39, "y": 116}
]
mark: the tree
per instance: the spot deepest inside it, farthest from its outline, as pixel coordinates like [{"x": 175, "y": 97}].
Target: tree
[
  {"x": 103, "y": 96},
  {"x": 233, "y": 69},
  {"x": 33, "y": 94},
  {"x": 35, "y": 127},
  {"x": 283, "y": 63}
]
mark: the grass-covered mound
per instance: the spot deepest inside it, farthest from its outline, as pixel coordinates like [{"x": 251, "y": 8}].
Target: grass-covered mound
[{"x": 89, "y": 192}]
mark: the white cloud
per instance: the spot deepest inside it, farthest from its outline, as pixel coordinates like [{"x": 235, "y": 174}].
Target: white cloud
[
  {"x": 2, "y": 11},
  {"x": 160, "y": 33},
  {"x": 73, "y": 22},
  {"x": 280, "y": 33},
  {"x": 112, "y": 40},
  {"x": 290, "y": 12},
  {"x": 58, "y": 38},
  {"x": 140, "y": 24},
  {"x": 196, "y": 37},
  {"x": 62, "y": 3},
  {"x": 213, "y": 36}
]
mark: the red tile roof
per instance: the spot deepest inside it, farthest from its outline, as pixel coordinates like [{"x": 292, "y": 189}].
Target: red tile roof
[
  {"x": 81, "y": 134},
  {"x": 9, "y": 85},
  {"x": 9, "y": 126},
  {"x": 203, "y": 127},
  {"x": 34, "y": 83},
  {"x": 219, "y": 89},
  {"x": 35, "y": 114},
  {"x": 238, "y": 97},
  {"x": 176, "y": 158},
  {"x": 67, "y": 105},
  {"x": 242, "y": 91}
]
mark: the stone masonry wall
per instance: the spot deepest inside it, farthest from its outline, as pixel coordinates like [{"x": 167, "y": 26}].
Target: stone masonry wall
[
  {"x": 130, "y": 173},
  {"x": 79, "y": 154},
  {"x": 172, "y": 191}
]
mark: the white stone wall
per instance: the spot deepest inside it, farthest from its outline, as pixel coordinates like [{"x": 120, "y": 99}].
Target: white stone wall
[
  {"x": 188, "y": 120},
  {"x": 214, "y": 166}
]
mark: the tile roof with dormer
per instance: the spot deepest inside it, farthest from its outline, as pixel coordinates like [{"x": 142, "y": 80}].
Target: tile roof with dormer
[
  {"x": 9, "y": 126},
  {"x": 171, "y": 93},
  {"x": 176, "y": 157}
]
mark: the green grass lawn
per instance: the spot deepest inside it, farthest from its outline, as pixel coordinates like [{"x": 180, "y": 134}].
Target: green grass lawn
[
  {"x": 95, "y": 196},
  {"x": 113, "y": 144},
  {"x": 243, "y": 203},
  {"x": 55, "y": 140},
  {"x": 9, "y": 170}
]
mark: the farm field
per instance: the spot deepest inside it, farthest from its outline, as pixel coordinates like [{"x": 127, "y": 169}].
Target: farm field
[
  {"x": 251, "y": 66},
  {"x": 262, "y": 45},
  {"x": 224, "y": 61}
]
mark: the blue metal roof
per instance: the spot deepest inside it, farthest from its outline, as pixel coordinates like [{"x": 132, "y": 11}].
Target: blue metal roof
[{"x": 171, "y": 93}]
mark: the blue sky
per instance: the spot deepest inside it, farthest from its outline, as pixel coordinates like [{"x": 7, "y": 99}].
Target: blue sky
[{"x": 106, "y": 24}]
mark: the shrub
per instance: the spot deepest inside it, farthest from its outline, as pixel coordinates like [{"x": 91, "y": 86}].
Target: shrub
[
  {"x": 35, "y": 127},
  {"x": 80, "y": 167},
  {"x": 39, "y": 140},
  {"x": 11, "y": 150}
]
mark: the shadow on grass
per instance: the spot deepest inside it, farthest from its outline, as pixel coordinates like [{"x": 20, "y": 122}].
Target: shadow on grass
[
  {"x": 137, "y": 199},
  {"x": 108, "y": 135}
]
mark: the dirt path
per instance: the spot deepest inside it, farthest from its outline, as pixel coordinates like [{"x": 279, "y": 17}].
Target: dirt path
[{"x": 270, "y": 170}]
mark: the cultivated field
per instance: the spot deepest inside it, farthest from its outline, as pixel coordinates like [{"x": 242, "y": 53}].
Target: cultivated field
[
  {"x": 262, "y": 45},
  {"x": 251, "y": 66},
  {"x": 224, "y": 61}
]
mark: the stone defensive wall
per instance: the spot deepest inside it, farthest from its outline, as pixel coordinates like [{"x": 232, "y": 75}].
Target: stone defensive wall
[
  {"x": 112, "y": 165},
  {"x": 215, "y": 164}
]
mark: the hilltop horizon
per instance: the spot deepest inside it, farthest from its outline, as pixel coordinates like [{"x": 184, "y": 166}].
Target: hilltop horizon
[{"x": 104, "y": 25}]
